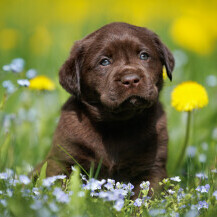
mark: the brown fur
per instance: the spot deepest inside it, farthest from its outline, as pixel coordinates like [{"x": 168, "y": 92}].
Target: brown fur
[{"x": 113, "y": 113}]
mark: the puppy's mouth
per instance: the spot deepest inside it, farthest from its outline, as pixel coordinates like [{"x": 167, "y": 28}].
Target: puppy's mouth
[
  {"x": 133, "y": 103},
  {"x": 136, "y": 101}
]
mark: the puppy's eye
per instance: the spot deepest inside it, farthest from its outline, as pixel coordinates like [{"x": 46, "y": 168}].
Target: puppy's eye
[
  {"x": 144, "y": 56},
  {"x": 105, "y": 62}
]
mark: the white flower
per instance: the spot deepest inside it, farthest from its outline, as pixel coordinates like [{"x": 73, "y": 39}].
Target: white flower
[
  {"x": 215, "y": 194},
  {"x": 202, "y": 204},
  {"x": 145, "y": 185},
  {"x": 180, "y": 58},
  {"x": 214, "y": 133},
  {"x": 53, "y": 207},
  {"x": 81, "y": 194},
  {"x": 8, "y": 85},
  {"x": 6, "y": 68},
  {"x": 3, "y": 202},
  {"x": 50, "y": 180},
  {"x": 110, "y": 184},
  {"x": 175, "y": 179},
  {"x": 202, "y": 158},
  {"x": 9, "y": 192},
  {"x": 31, "y": 73},
  {"x": 214, "y": 171},
  {"x": 203, "y": 189},
  {"x": 94, "y": 184},
  {"x": 73, "y": 168},
  {"x": 204, "y": 146},
  {"x": 171, "y": 191},
  {"x": 138, "y": 202},
  {"x": 23, "y": 82},
  {"x": 60, "y": 195},
  {"x": 201, "y": 176},
  {"x": 36, "y": 191},
  {"x": 119, "y": 204},
  {"x": 211, "y": 80},
  {"x": 37, "y": 205},
  {"x": 4, "y": 176},
  {"x": 24, "y": 179},
  {"x": 17, "y": 65},
  {"x": 191, "y": 151}
]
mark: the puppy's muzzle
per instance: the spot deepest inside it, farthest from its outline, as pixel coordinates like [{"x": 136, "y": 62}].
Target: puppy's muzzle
[{"x": 130, "y": 80}]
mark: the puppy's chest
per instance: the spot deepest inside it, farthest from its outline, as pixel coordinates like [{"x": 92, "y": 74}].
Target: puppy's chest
[{"x": 123, "y": 148}]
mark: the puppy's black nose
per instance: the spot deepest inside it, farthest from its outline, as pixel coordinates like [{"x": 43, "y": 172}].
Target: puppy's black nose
[{"x": 130, "y": 80}]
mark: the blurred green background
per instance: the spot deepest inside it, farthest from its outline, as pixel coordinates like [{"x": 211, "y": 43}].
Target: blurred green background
[{"x": 42, "y": 33}]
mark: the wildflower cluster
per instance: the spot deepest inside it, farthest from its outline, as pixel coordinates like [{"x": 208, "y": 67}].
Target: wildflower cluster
[
  {"x": 31, "y": 79},
  {"x": 57, "y": 195}
]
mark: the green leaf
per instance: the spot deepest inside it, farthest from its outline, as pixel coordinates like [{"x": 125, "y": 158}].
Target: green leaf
[{"x": 42, "y": 174}]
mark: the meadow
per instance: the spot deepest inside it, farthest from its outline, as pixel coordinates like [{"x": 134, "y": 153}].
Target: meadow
[{"x": 35, "y": 40}]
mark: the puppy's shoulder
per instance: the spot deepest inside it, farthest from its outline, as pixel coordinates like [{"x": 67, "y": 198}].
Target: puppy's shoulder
[{"x": 71, "y": 113}]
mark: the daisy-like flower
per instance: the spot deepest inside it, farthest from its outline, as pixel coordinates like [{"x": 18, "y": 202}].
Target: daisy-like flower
[
  {"x": 41, "y": 83},
  {"x": 189, "y": 95}
]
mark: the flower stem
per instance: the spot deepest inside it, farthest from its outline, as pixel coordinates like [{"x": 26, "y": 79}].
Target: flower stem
[
  {"x": 187, "y": 133},
  {"x": 2, "y": 103}
]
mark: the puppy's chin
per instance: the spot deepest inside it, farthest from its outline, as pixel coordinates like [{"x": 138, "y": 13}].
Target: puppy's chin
[{"x": 127, "y": 108}]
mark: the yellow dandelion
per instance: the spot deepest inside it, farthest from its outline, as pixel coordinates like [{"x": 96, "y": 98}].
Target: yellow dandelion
[
  {"x": 189, "y": 95},
  {"x": 41, "y": 83},
  {"x": 191, "y": 34},
  {"x": 164, "y": 73}
]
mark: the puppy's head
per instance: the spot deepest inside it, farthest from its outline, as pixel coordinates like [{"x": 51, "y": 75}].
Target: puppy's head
[{"x": 117, "y": 68}]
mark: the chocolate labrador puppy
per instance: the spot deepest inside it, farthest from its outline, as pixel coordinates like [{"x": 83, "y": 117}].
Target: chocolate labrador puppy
[{"x": 114, "y": 76}]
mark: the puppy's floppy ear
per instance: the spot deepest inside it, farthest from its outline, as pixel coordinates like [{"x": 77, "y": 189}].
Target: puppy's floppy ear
[
  {"x": 166, "y": 57},
  {"x": 69, "y": 74}
]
